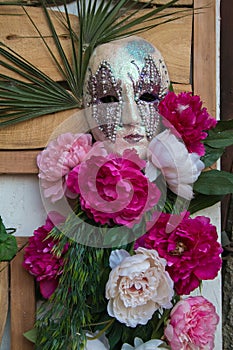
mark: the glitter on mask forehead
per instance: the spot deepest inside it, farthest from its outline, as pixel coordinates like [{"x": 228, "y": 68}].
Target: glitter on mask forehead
[
  {"x": 121, "y": 67},
  {"x": 139, "y": 49}
]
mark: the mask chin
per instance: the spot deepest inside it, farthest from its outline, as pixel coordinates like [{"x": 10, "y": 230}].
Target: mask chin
[{"x": 124, "y": 83}]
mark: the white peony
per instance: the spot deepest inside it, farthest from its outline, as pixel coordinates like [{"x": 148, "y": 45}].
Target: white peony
[
  {"x": 100, "y": 343},
  {"x": 153, "y": 344},
  {"x": 180, "y": 168},
  {"x": 137, "y": 286}
]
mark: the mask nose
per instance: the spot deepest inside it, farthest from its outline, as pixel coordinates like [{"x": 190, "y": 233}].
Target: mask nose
[{"x": 130, "y": 112}]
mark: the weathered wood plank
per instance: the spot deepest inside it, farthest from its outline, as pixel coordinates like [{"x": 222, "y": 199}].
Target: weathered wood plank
[
  {"x": 180, "y": 2},
  {"x": 204, "y": 73},
  {"x": 4, "y": 295},
  {"x": 19, "y": 34},
  {"x": 174, "y": 40},
  {"x": 204, "y": 80},
  {"x": 34, "y": 134},
  {"x": 18, "y": 162},
  {"x": 23, "y": 305},
  {"x": 182, "y": 88},
  {"x": 24, "y": 40}
]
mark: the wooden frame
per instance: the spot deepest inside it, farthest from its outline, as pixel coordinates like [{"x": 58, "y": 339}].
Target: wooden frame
[
  {"x": 17, "y": 291},
  {"x": 20, "y": 144},
  {"x": 22, "y": 160}
]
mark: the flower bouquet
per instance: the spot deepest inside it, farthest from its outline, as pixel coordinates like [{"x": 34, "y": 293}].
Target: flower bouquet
[{"x": 117, "y": 271}]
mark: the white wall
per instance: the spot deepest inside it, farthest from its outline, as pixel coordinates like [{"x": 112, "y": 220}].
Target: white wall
[{"x": 20, "y": 203}]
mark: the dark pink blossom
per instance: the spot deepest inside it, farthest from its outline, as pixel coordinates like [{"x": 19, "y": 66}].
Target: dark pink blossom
[
  {"x": 188, "y": 119},
  {"x": 113, "y": 188},
  {"x": 191, "y": 250},
  {"x": 192, "y": 325},
  {"x": 39, "y": 259}
]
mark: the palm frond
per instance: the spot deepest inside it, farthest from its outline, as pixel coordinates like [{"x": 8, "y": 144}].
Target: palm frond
[
  {"x": 35, "y": 95},
  {"x": 100, "y": 21}
]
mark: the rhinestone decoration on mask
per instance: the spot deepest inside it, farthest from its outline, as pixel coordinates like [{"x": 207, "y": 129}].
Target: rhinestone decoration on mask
[
  {"x": 106, "y": 96},
  {"x": 149, "y": 89},
  {"x": 102, "y": 85}
]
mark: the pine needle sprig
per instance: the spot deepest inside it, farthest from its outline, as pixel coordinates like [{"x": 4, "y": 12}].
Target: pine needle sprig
[
  {"x": 65, "y": 318},
  {"x": 62, "y": 319}
]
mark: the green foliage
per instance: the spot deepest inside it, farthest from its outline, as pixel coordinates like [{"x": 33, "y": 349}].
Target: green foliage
[
  {"x": 211, "y": 155},
  {"x": 221, "y": 136},
  {"x": 217, "y": 140},
  {"x": 119, "y": 236},
  {"x": 8, "y": 244},
  {"x": 31, "y": 335},
  {"x": 20, "y": 101},
  {"x": 63, "y": 320},
  {"x": 202, "y": 201},
  {"x": 214, "y": 182}
]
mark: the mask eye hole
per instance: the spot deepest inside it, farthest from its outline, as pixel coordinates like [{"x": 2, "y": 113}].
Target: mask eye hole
[
  {"x": 148, "y": 97},
  {"x": 108, "y": 99}
]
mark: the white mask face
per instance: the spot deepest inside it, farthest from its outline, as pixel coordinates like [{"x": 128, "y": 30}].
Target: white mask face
[{"x": 125, "y": 81}]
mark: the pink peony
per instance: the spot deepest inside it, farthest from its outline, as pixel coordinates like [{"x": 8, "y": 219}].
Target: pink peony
[
  {"x": 192, "y": 325},
  {"x": 187, "y": 117},
  {"x": 191, "y": 250},
  {"x": 113, "y": 188},
  {"x": 39, "y": 259},
  {"x": 56, "y": 161}
]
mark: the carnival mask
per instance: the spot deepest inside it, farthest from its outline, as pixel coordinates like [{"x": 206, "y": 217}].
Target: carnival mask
[{"x": 124, "y": 83}]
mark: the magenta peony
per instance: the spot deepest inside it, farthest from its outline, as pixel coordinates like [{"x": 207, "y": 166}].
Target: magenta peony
[
  {"x": 187, "y": 117},
  {"x": 191, "y": 250},
  {"x": 39, "y": 259},
  {"x": 56, "y": 161},
  {"x": 192, "y": 325},
  {"x": 113, "y": 188}
]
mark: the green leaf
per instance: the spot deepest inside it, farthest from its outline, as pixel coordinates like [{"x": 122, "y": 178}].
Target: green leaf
[
  {"x": 214, "y": 182},
  {"x": 31, "y": 335},
  {"x": 221, "y": 136},
  {"x": 3, "y": 232},
  {"x": 202, "y": 201},
  {"x": 171, "y": 87},
  {"x": 211, "y": 155},
  {"x": 8, "y": 244},
  {"x": 224, "y": 125},
  {"x": 219, "y": 139},
  {"x": 115, "y": 335}
]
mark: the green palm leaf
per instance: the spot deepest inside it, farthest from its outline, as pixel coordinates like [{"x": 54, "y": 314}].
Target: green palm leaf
[{"x": 100, "y": 21}]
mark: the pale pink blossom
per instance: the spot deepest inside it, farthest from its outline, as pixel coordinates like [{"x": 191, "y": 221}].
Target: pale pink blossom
[
  {"x": 58, "y": 159},
  {"x": 137, "y": 287},
  {"x": 192, "y": 325}
]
